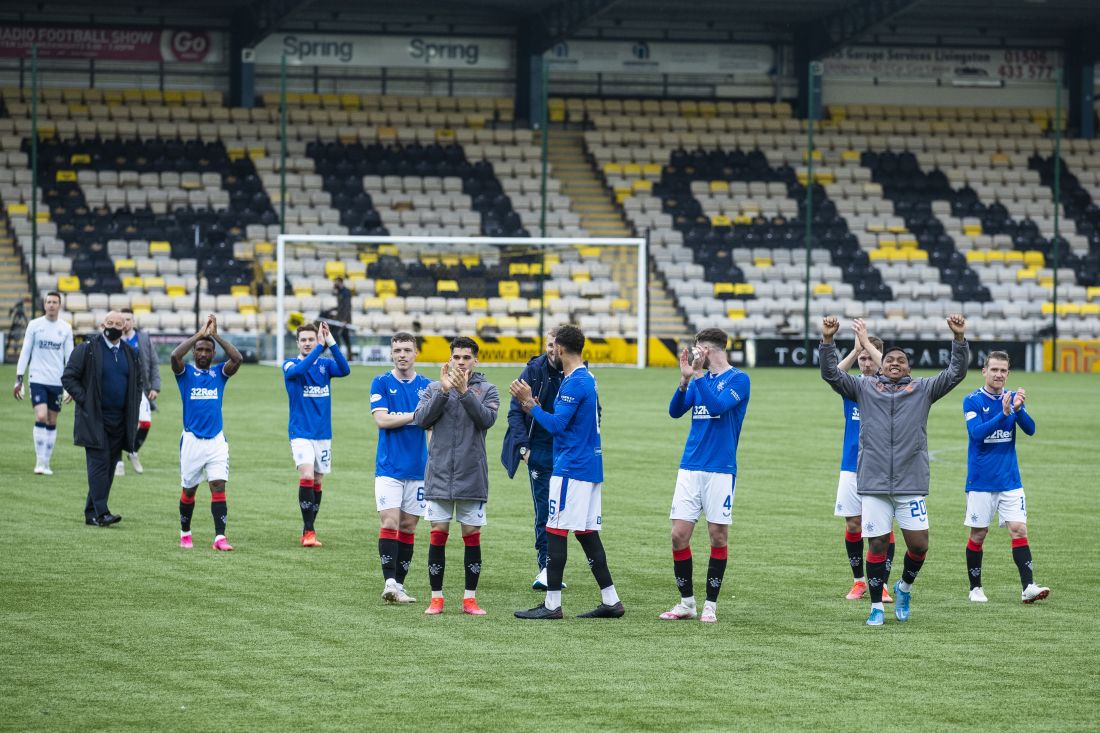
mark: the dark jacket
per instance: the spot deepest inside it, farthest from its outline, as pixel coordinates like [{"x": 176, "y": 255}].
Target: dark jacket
[
  {"x": 893, "y": 427},
  {"x": 343, "y": 305},
  {"x": 81, "y": 380},
  {"x": 545, "y": 381},
  {"x": 457, "y": 465}
]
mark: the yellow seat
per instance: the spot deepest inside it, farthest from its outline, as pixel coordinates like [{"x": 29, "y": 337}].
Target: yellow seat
[
  {"x": 141, "y": 308},
  {"x": 1069, "y": 309},
  {"x": 373, "y": 303},
  {"x": 719, "y": 220},
  {"x": 995, "y": 255},
  {"x": 160, "y": 248},
  {"x": 1090, "y": 309},
  {"x": 18, "y": 210},
  {"x": 972, "y": 230},
  {"x": 1034, "y": 258},
  {"x": 917, "y": 255},
  {"x": 68, "y": 284},
  {"x": 485, "y": 321},
  {"x": 641, "y": 185},
  {"x": 519, "y": 268},
  {"x": 651, "y": 170},
  {"x": 385, "y": 286},
  {"x": 264, "y": 248},
  {"x": 1014, "y": 257},
  {"x": 154, "y": 283},
  {"x": 581, "y": 277},
  {"x": 238, "y": 291},
  {"x": 736, "y": 314},
  {"x": 723, "y": 288},
  {"x": 744, "y": 289},
  {"x": 429, "y": 260},
  {"x": 335, "y": 269},
  {"x": 880, "y": 255},
  {"x": 474, "y": 305},
  {"x": 551, "y": 260},
  {"x": 742, "y": 219},
  {"x": 124, "y": 263},
  {"x": 1026, "y": 273},
  {"x": 133, "y": 282},
  {"x": 762, "y": 262},
  {"x": 368, "y": 258},
  {"x": 303, "y": 291},
  {"x": 823, "y": 289},
  {"x": 588, "y": 251},
  {"x": 632, "y": 169},
  {"x": 850, "y": 156},
  {"x": 175, "y": 291},
  {"x": 508, "y": 289},
  {"x": 719, "y": 186},
  {"x": 620, "y": 304},
  {"x": 446, "y": 286},
  {"x": 1093, "y": 291},
  {"x": 1047, "y": 281},
  {"x": 613, "y": 169},
  {"x": 449, "y": 260},
  {"x": 387, "y": 249},
  {"x": 247, "y": 309}
]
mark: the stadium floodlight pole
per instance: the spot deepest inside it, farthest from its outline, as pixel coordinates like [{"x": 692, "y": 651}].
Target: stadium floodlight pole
[
  {"x": 280, "y": 286},
  {"x": 1057, "y": 220},
  {"x": 812, "y": 68},
  {"x": 545, "y": 154},
  {"x": 34, "y": 180},
  {"x": 639, "y": 242}
]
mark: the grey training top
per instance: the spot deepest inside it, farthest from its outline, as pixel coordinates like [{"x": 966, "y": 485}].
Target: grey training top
[{"x": 893, "y": 433}]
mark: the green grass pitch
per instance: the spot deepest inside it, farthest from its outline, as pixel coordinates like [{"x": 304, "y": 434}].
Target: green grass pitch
[{"x": 119, "y": 629}]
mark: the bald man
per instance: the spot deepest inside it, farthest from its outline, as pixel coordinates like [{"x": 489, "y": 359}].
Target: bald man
[{"x": 104, "y": 378}]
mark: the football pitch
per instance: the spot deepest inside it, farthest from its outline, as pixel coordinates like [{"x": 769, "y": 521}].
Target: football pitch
[{"x": 120, "y": 629}]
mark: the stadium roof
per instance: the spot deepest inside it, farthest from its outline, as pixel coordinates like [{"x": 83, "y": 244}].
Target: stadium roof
[{"x": 999, "y": 21}]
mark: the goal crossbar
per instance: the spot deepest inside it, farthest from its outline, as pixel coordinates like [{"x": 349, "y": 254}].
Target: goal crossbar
[{"x": 638, "y": 242}]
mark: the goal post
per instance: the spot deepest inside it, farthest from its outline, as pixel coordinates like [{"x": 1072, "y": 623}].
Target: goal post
[{"x": 545, "y": 245}]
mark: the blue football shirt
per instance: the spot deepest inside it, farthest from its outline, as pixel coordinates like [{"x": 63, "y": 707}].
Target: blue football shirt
[
  {"x": 201, "y": 391},
  {"x": 849, "y": 456},
  {"x": 402, "y": 452},
  {"x": 991, "y": 454},
  {"x": 718, "y": 403},
  {"x": 575, "y": 425},
  {"x": 307, "y": 385}
]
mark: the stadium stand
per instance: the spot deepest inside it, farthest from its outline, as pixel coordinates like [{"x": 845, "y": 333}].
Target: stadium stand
[
  {"x": 919, "y": 211},
  {"x": 125, "y": 178}
]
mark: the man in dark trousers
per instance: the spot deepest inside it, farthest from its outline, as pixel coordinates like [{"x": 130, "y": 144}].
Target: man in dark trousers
[
  {"x": 528, "y": 443},
  {"x": 104, "y": 378},
  {"x": 343, "y": 313}
]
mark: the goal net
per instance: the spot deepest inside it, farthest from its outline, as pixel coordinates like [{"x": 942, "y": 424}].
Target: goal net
[{"x": 504, "y": 292}]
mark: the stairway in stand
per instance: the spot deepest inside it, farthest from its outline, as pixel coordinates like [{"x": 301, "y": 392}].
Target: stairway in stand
[
  {"x": 601, "y": 217},
  {"x": 13, "y": 283}
]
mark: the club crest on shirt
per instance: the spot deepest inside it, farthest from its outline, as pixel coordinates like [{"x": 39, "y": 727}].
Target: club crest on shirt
[{"x": 323, "y": 369}]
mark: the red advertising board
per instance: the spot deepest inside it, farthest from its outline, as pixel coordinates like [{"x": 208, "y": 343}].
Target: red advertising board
[{"x": 115, "y": 44}]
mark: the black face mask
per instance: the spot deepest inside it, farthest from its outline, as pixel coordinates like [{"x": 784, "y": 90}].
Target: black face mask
[{"x": 112, "y": 334}]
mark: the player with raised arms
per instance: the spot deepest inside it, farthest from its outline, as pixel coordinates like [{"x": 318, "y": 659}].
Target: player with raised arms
[
  {"x": 307, "y": 378},
  {"x": 203, "y": 447},
  {"x": 576, "y": 483},
  {"x": 400, "y": 459},
  {"x": 717, "y": 396},
  {"x": 848, "y": 502},
  {"x": 47, "y": 345},
  {"x": 993, "y": 483},
  {"x": 892, "y": 476}
]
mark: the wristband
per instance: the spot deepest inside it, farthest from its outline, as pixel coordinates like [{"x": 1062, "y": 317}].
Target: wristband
[{"x": 330, "y": 341}]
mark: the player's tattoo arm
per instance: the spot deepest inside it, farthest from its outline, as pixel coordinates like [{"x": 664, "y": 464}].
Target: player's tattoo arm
[{"x": 232, "y": 353}]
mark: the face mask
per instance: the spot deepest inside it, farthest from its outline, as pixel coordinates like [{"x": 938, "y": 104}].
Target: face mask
[{"x": 112, "y": 334}]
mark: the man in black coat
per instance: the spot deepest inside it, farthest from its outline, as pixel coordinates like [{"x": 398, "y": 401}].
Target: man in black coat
[
  {"x": 104, "y": 378},
  {"x": 526, "y": 443}
]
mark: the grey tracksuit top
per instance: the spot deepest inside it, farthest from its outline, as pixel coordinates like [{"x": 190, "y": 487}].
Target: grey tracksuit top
[
  {"x": 893, "y": 434},
  {"x": 457, "y": 466}
]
